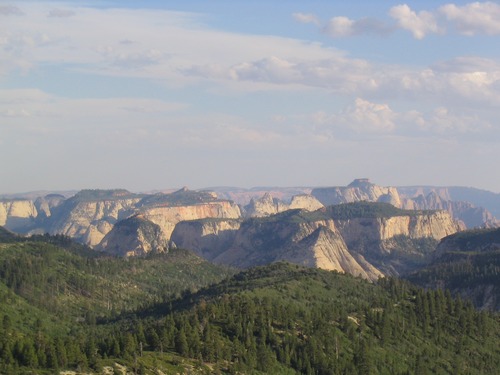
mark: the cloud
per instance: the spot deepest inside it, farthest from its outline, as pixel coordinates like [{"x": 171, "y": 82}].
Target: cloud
[
  {"x": 40, "y": 105},
  {"x": 419, "y": 24},
  {"x": 8, "y": 10},
  {"x": 369, "y": 119},
  {"x": 474, "y": 18},
  {"x": 61, "y": 13},
  {"x": 443, "y": 121},
  {"x": 306, "y": 18},
  {"x": 338, "y": 74},
  {"x": 339, "y": 27},
  {"x": 368, "y": 116},
  {"x": 470, "y": 19}
]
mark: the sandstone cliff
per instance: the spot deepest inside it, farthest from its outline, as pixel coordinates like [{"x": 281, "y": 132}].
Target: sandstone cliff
[
  {"x": 295, "y": 237},
  {"x": 362, "y": 239},
  {"x": 47, "y": 203},
  {"x": 358, "y": 190},
  {"x": 417, "y": 198},
  {"x": 168, "y": 216},
  {"x": 438, "y": 199},
  {"x": 17, "y": 215},
  {"x": 90, "y": 215},
  {"x": 326, "y": 249},
  {"x": 206, "y": 237},
  {"x": 267, "y": 205},
  {"x": 436, "y": 225},
  {"x": 134, "y": 236}
]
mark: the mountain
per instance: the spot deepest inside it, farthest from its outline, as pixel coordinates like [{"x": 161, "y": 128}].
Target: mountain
[
  {"x": 477, "y": 197},
  {"x": 134, "y": 236},
  {"x": 68, "y": 308},
  {"x": 418, "y": 198},
  {"x": 367, "y": 239},
  {"x": 61, "y": 276},
  {"x": 468, "y": 264},
  {"x": 90, "y": 214},
  {"x": 17, "y": 214},
  {"x": 286, "y": 319},
  {"x": 267, "y": 205}
]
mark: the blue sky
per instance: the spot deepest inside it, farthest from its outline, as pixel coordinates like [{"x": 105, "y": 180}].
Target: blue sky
[{"x": 149, "y": 95}]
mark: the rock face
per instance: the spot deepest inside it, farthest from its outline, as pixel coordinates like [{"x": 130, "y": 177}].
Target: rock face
[
  {"x": 356, "y": 245},
  {"x": 471, "y": 216},
  {"x": 419, "y": 198},
  {"x": 168, "y": 216},
  {"x": 326, "y": 249},
  {"x": 134, "y": 236},
  {"x": 45, "y": 205},
  {"x": 358, "y": 190},
  {"x": 305, "y": 202},
  {"x": 267, "y": 205},
  {"x": 206, "y": 237},
  {"x": 17, "y": 214},
  {"x": 434, "y": 225},
  {"x": 91, "y": 214}
]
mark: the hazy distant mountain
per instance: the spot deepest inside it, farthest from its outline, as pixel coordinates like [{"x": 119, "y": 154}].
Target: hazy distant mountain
[{"x": 418, "y": 198}]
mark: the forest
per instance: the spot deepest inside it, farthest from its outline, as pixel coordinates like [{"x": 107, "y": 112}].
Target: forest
[{"x": 64, "y": 307}]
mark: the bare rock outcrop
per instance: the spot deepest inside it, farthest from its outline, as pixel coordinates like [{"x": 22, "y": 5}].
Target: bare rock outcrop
[
  {"x": 292, "y": 237},
  {"x": 359, "y": 190},
  {"x": 206, "y": 237},
  {"x": 327, "y": 250},
  {"x": 267, "y": 205},
  {"x": 305, "y": 202},
  {"x": 134, "y": 236},
  {"x": 47, "y": 203},
  {"x": 17, "y": 214},
  {"x": 168, "y": 216},
  {"x": 416, "y": 198},
  {"x": 436, "y": 225},
  {"x": 91, "y": 214}
]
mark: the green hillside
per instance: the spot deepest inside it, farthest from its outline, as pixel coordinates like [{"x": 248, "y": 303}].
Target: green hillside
[
  {"x": 65, "y": 307},
  {"x": 468, "y": 264},
  {"x": 283, "y": 318}
]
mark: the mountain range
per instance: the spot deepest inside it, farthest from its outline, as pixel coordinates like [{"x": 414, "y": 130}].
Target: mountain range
[
  {"x": 389, "y": 232},
  {"x": 358, "y": 279}
]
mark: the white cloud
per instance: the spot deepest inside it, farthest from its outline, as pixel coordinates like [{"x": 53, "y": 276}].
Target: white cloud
[
  {"x": 7, "y": 10},
  {"x": 306, "y": 18},
  {"x": 369, "y": 119},
  {"x": 419, "y": 24},
  {"x": 474, "y": 18},
  {"x": 368, "y": 116},
  {"x": 339, "y": 27},
  {"x": 61, "y": 13},
  {"x": 45, "y": 107}
]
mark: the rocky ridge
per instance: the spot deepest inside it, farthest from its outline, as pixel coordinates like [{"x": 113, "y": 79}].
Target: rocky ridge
[
  {"x": 134, "y": 236},
  {"x": 408, "y": 198},
  {"x": 267, "y": 205},
  {"x": 361, "y": 245},
  {"x": 17, "y": 214}
]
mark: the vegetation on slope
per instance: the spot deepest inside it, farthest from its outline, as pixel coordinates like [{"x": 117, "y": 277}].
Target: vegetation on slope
[
  {"x": 279, "y": 319},
  {"x": 468, "y": 264}
]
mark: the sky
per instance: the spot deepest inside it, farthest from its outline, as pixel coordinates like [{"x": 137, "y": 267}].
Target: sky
[{"x": 147, "y": 95}]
